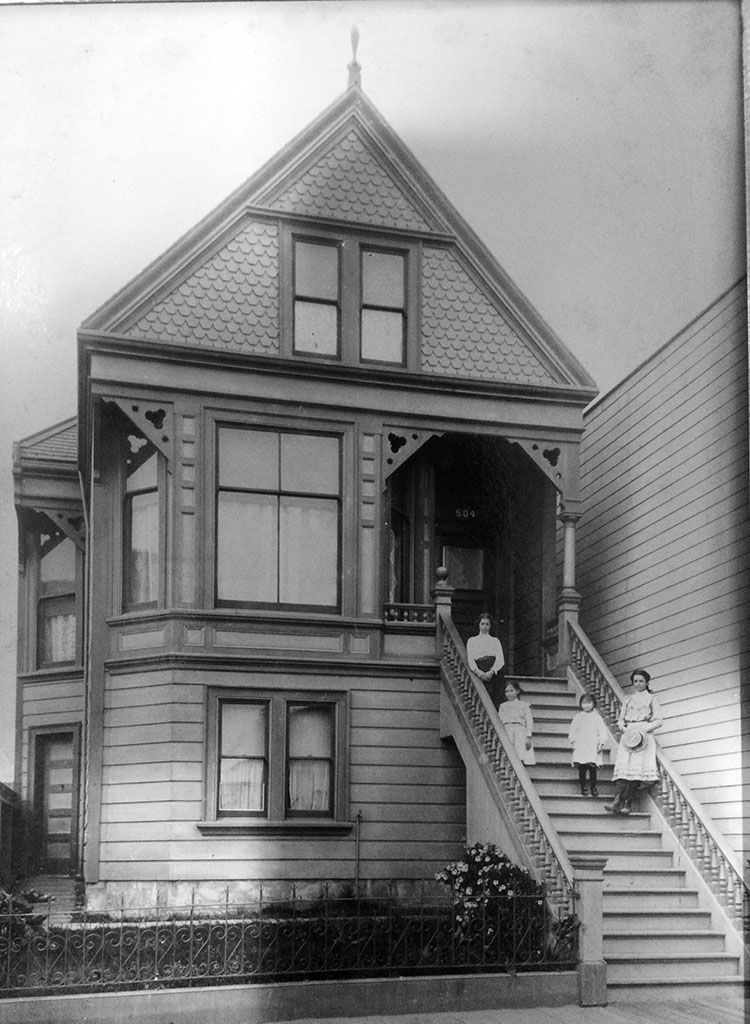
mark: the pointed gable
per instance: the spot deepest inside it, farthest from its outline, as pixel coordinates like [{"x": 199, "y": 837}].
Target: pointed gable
[
  {"x": 54, "y": 444},
  {"x": 348, "y": 182},
  {"x": 228, "y": 284}
]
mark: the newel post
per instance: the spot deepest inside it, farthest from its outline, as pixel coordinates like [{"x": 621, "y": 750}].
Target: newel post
[
  {"x": 442, "y": 595},
  {"x": 592, "y": 969}
]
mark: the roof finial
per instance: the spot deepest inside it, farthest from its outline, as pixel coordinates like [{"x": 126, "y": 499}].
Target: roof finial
[{"x": 354, "y": 68}]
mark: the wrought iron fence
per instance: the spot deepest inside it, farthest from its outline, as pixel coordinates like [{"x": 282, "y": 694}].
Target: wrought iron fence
[{"x": 297, "y": 938}]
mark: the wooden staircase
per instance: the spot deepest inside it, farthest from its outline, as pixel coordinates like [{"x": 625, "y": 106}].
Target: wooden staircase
[{"x": 659, "y": 928}]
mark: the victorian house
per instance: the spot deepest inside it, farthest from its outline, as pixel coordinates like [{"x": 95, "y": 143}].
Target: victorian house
[{"x": 323, "y": 413}]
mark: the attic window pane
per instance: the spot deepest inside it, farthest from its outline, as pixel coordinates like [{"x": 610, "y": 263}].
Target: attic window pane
[
  {"x": 383, "y": 279},
  {"x": 316, "y": 271},
  {"x": 382, "y": 336},
  {"x": 316, "y": 328}
]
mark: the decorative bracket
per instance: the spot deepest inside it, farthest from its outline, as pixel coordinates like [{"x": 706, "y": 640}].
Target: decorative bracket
[
  {"x": 72, "y": 525},
  {"x": 558, "y": 460},
  {"x": 153, "y": 419},
  {"x": 399, "y": 444}
]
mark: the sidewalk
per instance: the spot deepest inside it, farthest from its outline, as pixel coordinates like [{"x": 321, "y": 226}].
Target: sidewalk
[{"x": 701, "y": 1010}]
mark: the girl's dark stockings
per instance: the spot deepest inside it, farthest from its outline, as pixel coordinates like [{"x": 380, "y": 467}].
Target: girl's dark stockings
[{"x": 583, "y": 769}]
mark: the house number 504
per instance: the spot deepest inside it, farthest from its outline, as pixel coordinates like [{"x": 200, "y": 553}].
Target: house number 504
[{"x": 465, "y": 513}]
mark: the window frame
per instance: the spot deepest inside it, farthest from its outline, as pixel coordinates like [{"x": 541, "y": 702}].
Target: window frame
[
  {"x": 310, "y": 430},
  {"x": 277, "y": 817},
  {"x": 352, "y": 241},
  {"x": 403, "y": 310},
  {"x": 35, "y": 660},
  {"x": 124, "y": 500},
  {"x": 334, "y": 244}
]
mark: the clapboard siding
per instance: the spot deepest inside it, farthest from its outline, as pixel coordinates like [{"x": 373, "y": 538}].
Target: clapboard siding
[
  {"x": 663, "y": 544},
  {"x": 53, "y": 702},
  {"x": 408, "y": 785}
]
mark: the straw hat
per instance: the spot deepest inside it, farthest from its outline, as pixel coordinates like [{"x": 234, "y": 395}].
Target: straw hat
[{"x": 633, "y": 738}]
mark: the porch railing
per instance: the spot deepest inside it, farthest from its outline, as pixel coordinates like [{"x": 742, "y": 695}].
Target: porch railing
[
  {"x": 536, "y": 831},
  {"x": 400, "y": 612},
  {"x": 296, "y": 938},
  {"x": 706, "y": 847}
]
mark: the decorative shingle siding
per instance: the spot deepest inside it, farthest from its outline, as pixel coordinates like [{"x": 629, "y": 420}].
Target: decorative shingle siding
[
  {"x": 664, "y": 545},
  {"x": 231, "y": 302},
  {"x": 464, "y": 334},
  {"x": 349, "y": 183}
]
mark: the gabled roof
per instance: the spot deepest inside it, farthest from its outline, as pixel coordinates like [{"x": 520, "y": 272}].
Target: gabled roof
[
  {"x": 54, "y": 444},
  {"x": 219, "y": 285}
]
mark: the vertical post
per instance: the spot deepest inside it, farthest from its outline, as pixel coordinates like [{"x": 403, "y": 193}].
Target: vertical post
[
  {"x": 570, "y": 599},
  {"x": 442, "y": 594},
  {"x": 592, "y": 969}
]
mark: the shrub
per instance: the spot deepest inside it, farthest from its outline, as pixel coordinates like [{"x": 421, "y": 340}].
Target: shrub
[{"x": 486, "y": 875}]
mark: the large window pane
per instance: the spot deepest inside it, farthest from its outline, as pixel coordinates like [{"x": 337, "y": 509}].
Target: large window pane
[
  {"x": 246, "y": 557},
  {"x": 310, "y": 767},
  {"x": 142, "y": 530},
  {"x": 382, "y": 335},
  {"x": 309, "y": 464},
  {"x": 316, "y": 271},
  {"x": 308, "y": 544},
  {"x": 243, "y": 729},
  {"x": 249, "y": 459},
  {"x": 383, "y": 279},
  {"x": 316, "y": 328}
]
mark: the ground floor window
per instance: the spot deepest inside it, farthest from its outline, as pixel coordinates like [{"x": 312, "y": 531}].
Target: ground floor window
[{"x": 276, "y": 756}]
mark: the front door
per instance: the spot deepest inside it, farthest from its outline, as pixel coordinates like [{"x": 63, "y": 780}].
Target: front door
[{"x": 56, "y": 799}]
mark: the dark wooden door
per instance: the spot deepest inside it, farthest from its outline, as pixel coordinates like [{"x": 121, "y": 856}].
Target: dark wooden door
[{"x": 56, "y": 800}]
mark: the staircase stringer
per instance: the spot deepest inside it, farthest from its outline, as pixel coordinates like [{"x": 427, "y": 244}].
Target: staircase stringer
[
  {"x": 468, "y": 714},
  {"x": 686, "y": 829}
]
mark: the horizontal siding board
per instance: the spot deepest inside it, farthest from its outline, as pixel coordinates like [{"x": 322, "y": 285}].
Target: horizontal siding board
[
  {"x": 60, "y": 689},
  {"x": 153, "y": 715},
  {"x": 164, "y": 732},
  {"x": 414, "y": 756},
  {"x": 153, "y": 752}
]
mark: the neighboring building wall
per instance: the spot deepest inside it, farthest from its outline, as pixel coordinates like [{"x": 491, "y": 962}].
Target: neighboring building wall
[
  {"x": 663, "y": 549},
  {"x": 407, "y": 783}
]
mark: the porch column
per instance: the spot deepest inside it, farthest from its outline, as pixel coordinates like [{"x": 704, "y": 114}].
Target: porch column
[
  {"x": 592, "y": 969},
  {"x": 570, "y": 599}
]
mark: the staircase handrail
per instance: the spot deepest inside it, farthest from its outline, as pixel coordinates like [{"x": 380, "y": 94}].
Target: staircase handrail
[
  {"x": 545, "y": 848},
  {"x": 704, "y": 844}
]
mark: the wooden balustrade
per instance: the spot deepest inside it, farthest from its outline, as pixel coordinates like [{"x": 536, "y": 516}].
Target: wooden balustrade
[{"x": 705, "y": 846}]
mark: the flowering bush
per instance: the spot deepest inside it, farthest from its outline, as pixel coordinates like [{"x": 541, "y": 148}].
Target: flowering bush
[{"x": 486, "y": 875}]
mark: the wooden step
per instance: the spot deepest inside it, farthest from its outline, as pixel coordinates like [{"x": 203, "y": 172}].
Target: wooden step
[
  {"x": 659, "y": 943},
  {"x": 559, "y": 772},
  {"x": 623, "y": 967},
  {"x": 662, "y": 900},
  {"x": 676, "y": 919},
  {"x": 597, "y": 820},
  {"x": 621, "y": 842},
  {"x": 623, "y": 878},
  {"x": 632, "y": 860}
]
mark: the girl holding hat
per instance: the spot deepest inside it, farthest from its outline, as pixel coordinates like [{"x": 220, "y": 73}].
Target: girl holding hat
[{"x": 635, "y": 764}]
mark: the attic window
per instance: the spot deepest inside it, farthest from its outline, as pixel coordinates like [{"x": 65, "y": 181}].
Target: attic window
[
  {"x": 316, "y": 298},
  {"x": 383, "y": 320}
]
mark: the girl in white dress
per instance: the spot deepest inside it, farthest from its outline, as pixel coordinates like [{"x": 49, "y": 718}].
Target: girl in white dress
[
  {"x": 588, "y": 736},
  {"x": 515, "y": 716},
  {"x": 635, "y": 764}
]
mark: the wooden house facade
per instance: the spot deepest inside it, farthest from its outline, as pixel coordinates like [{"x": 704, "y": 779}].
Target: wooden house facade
[
  {"x": 324, "y": 392},
  {"x": 664, "y": 547}
]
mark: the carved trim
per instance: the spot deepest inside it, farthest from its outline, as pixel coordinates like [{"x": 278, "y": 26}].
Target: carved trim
[
  {"x": 72, "y": 525},
  {"x": 155, "y": 420},
  {"x": 399, "y": 444},
  {"x": 558, "y": 460}
]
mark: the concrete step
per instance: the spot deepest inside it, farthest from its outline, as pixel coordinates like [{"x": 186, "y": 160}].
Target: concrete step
[
  {"x": 726, "y": 994},
  {"x": 661, "y": 900},
  {"x": 621, "y": 842},
  {"x": 626, "y": 967},
  {"x": 661, "y": 943},
  {"x": 633, "y": 921},
  {"x": 622, "y": 878},
  {"x": 597, "y": 820}
]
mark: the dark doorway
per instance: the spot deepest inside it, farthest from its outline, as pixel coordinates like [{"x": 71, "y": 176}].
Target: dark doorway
[{"x": 56, "y": 783}]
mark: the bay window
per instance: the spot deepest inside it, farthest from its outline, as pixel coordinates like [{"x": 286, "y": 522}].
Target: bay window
[
  {"x": 56, "y": 600},
  {"x": 141, "y": 524},
  {"x": 277, "y": 518}
]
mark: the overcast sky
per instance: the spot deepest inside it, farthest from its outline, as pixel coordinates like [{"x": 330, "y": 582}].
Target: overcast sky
[{"x": 595, "y": 147}]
